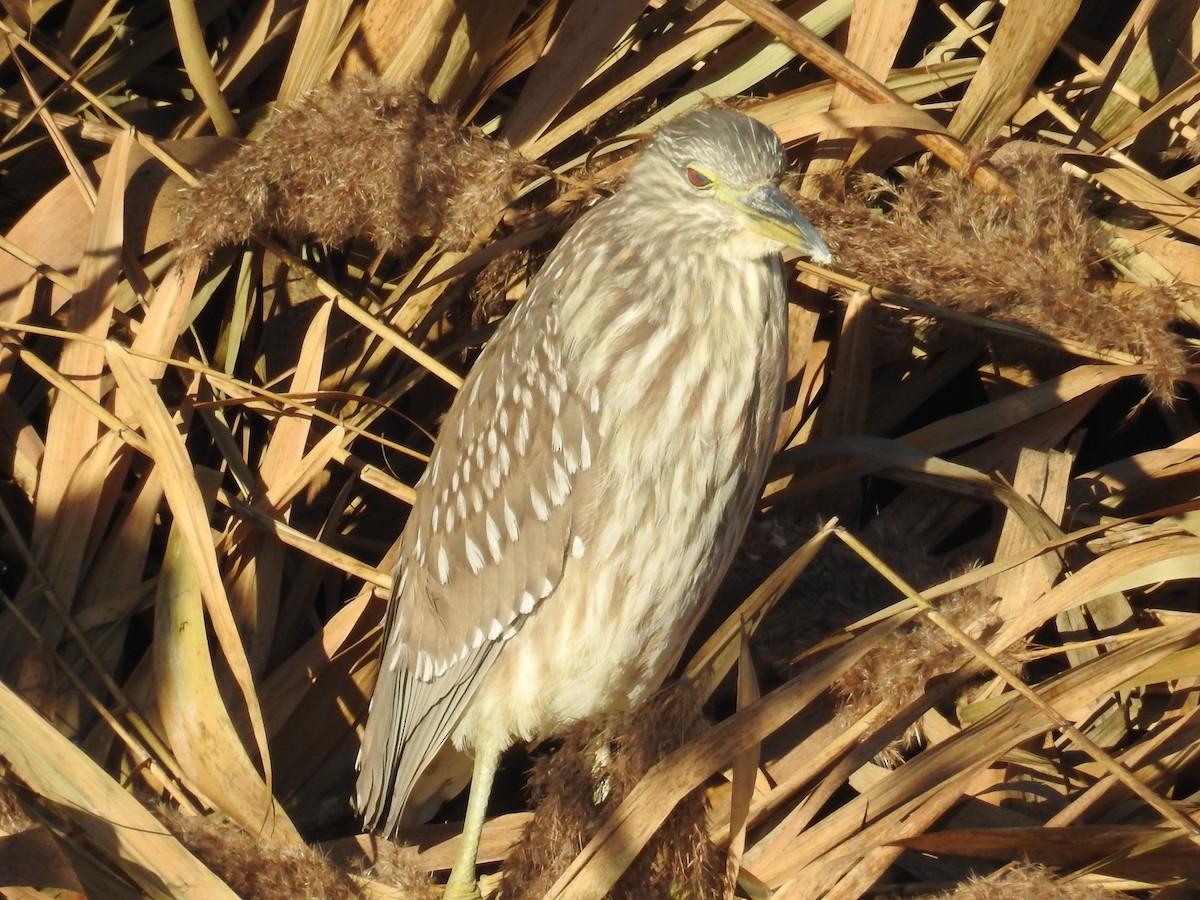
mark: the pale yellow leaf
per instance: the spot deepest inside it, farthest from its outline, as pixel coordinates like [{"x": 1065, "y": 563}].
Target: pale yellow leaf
[
  {"x": 194, "y": 714},
  {"x": 73, "y": 430},
  {"x": 309, "y": 64},
  {"x": 191, "y": 522},
  {"x": 1024, "y": 39}
]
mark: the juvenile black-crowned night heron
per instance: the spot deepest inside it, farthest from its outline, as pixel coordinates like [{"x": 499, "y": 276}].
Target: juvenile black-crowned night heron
[{"x": 594, "y": 474}]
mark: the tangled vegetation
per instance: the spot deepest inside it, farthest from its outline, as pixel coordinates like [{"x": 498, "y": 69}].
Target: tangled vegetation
[{"x": 250, "y": 247}]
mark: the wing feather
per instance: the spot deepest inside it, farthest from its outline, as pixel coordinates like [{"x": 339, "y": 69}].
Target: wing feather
[{"x": 492, "y": 528}]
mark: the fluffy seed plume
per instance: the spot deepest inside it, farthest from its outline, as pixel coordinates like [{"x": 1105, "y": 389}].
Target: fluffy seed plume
[
  {"x": 1024, "y": 881},
  {"x": 897, "y": 671},
  {"x": 254, "y": 868},
  {"x": 362, "y": 160},
  {"x": 1037, "y": 261},
  {"x": 577, "y": 788}
]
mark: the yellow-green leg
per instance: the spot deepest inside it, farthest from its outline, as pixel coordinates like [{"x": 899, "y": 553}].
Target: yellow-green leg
[{"x": 462, "y": 884}]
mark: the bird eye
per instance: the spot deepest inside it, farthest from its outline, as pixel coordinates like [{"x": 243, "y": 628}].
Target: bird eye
[{"x": 698, "y": 178}]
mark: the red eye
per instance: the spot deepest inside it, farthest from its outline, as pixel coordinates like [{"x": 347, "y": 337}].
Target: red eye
[{"x": 698, "y": 178}]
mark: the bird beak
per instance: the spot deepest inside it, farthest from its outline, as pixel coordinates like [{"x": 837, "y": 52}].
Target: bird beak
[{"x": 774, "y": 216}]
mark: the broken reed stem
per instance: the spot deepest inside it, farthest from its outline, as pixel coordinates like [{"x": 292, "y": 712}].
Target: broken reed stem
[
  {"x": 1101, "y": 756},
  {"x": 904, "y": 301}
]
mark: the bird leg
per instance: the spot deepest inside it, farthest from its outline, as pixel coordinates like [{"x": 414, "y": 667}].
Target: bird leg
[{"x": 462, "y": 884}]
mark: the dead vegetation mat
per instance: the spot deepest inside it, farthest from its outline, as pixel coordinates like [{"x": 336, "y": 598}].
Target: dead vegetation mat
[{"x": 250, "y": 248}]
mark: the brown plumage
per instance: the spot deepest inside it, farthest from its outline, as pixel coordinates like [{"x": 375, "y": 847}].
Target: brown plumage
[{"x": 593, "y": 476}]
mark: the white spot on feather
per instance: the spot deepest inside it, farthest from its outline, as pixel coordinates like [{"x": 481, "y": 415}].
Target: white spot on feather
[
  {"x": 424, "y": 666},
  {"x": 510, "y": 522},
  {"x": 443, "y": 565},
  {"x": 495, "y": 630},
  {"x": 561, "y": 478},
  {"x": 492, "y": 530},
  {"x": 474, "y": 555},
  {"x": 397, "y": 656},
  {"x": 585, "y": 451},
  {"x": 577, "y": 547},
  {"x": 556, "y": 494},
  {"x": 523, "y": 432},
  {"x": 540, "y": 509},
  {"x": 527, "y": 603}
]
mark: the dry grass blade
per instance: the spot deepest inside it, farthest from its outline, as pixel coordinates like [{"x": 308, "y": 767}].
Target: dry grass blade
[
  {"x": 72, "y": 785},
  {"x": 745, "y": 771},
  {"x": 1150, "y": 854},
  {"x": 193, "y": 712},
  {"x": 199, "y": 68},
  {"x": 1153, "y": 33},
  {"x": 1026, "y": 36},
  {"x": 434, "y": 43},
  {"x": 694, "y": 37},
  {"x": 1127, "y": 778},
  {"x": 580, "y": 43},
  {"x": 847, "y": 73},
  {"x": 312, "y": 58},
  {"x": 1171, "y": 206},
  {"x": 255, "y": 592},
  {"x": 874, "y": 38},
  {"x": 73, "y": 430},
  {"x": 716, "y": 658},
  {"x": 964, "y": 754},
  {"x": 1028, "y": 315},
  {"x": 183, "y": 497}
]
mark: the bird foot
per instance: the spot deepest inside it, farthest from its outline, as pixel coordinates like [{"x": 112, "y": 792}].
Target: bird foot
[{"x": 462, "y": 892}]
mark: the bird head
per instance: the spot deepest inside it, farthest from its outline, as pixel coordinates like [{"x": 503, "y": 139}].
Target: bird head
[{"x": 713, "y": 177}]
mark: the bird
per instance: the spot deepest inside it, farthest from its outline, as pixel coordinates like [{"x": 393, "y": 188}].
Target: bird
[{"x": 592, "y": 477}]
